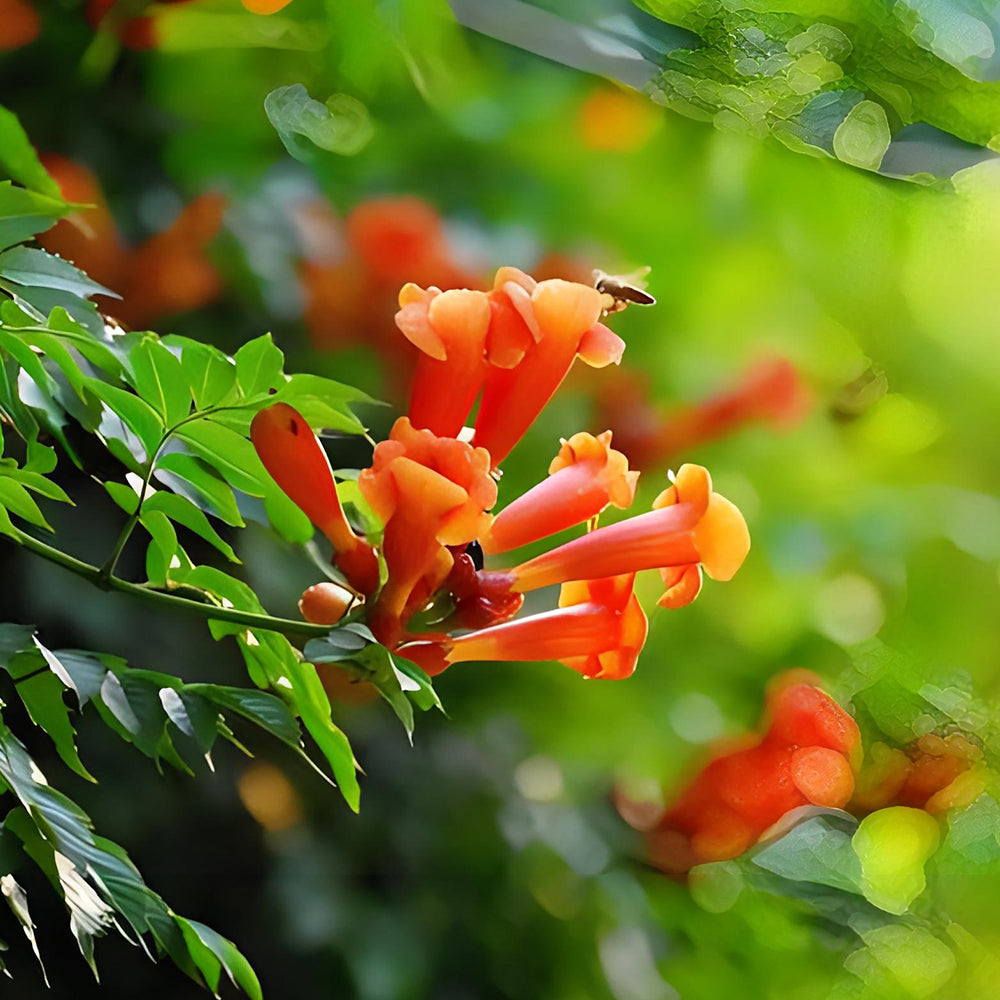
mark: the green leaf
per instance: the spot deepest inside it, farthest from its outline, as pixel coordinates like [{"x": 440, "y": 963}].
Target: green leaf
[
  {"x": 80, "y": 671},
  {"x": 229, "y": 453},
  {"x": 199, "y": 483},
  {"x": 265, "y": 710},
  {"x": 184, "y": 512},
  {"x": 134, "y": 412},
  {"x": 24, "y": 213},
  {"x": 224, "y": 952},
  {"x": 863, "y": 136},
  {"x": 14, "y": 639},
  {"x": 29, "y": 361},
  {"x": 192, "y": 714},
  {"x": 42, "y": 695},
  {"x": 342, "y": 125},
  {"x": 124, "y": 496},
  {"x": 58, "y": 834},
  {"x": 18, "y": 158},
  {"x": 18, "y": 501},
  {"x": 211, "y": 375},
  {"x": 162, "y": 549},
  {"x": 38, "y": 269},
  {"x": 160, "y": 379},
  {"x": 322, "y": 402},
  {"x": 234, "y": 458},
  {"x": 17, "y": 900},
  {"x": 39, "y": 302},
  {"x": 37, "y": 483},
  {"x": 258, "y": 366},
  {"x": 815, "y": 850}
]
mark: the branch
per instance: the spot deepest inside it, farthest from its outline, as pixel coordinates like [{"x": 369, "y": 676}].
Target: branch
[{"x": 286, "y": 626}]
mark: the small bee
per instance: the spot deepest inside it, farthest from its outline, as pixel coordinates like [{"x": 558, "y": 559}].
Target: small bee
[{"x": 623, "y": 289}]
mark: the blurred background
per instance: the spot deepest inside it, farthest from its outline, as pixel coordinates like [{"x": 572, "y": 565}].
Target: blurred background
[{"x": 824, "y": 341}]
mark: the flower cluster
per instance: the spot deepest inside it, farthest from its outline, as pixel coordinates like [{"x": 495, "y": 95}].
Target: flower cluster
[{"x": 432, "y": 485}]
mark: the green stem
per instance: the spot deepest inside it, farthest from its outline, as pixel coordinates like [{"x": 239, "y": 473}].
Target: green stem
[
  {"x": 96, "y": 576},
  {"x": 112, "y": 561}
]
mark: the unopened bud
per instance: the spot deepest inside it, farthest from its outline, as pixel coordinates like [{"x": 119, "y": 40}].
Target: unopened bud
[{"x": 325, "y": 603}]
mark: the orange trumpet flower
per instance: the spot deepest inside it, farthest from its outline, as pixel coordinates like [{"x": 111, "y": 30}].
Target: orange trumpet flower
[
  {"x": 293, "y": 456},
  {"x": 690, "y": 528},
  {"x": 598, "y": 630},
  {"x": 562, "y": 320},
  {"x": 584, "y": 478},
  {"x": 430, "y": 492},
  {"x": 449, "y": 328}
]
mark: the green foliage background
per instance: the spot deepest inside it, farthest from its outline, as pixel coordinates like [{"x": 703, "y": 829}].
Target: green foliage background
[{"x": 487, "y": 859}]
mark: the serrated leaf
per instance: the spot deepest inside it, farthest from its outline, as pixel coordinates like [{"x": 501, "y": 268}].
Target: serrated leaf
[
  {"x": 37, "y": 483},
  {"x": 40, "y": 301},
  {"x": 135, "y": 703},
  {"x": 80, "y": 671},
  {"x": 51, "y": 822},
  {"x": 192, "y": 714},
  {"x": 184, "y": 512},
  {"x": 160, "y": 379}
]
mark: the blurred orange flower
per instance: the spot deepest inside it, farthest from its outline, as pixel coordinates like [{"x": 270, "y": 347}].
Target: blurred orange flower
[
  {"x": 806, "y": 755},
  {"x": 167, "y": 274},
  {"x": 770, "y": 391},
  {"x": 19, "y": 24}
]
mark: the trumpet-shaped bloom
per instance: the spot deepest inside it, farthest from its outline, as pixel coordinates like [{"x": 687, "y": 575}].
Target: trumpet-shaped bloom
[
  {"x": 690, "y": 528},
  {"x": 598, "y": 630},
  {"x": 430, "y": 492},
  {"x": 449, "y": 328},
  {"x": 293, "y": 456},
  {"x": 562, "y": 319},
  {"x": 584, "y": 478}
]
